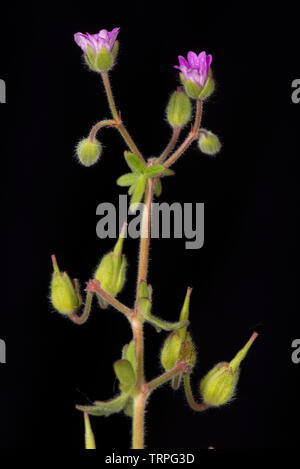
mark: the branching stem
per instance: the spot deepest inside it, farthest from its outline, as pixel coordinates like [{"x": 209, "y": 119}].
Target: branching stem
[
  {"x": 189, "y": 139},
  {"x": 119, "y": 124}
]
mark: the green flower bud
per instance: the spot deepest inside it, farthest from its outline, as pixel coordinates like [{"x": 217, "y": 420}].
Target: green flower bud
[
  {"x": 179, "y": 109},
  {"x": 88, "y": 152},
  {"x": 209, "y": 143},
  {"x": 171, "y": 350},
  {"x": 218, "y": 386},
  {"x": 64, "y": 298},
  {"x": 112, "y": 269}
]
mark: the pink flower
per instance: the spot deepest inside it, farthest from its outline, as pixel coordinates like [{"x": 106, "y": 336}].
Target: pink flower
[
  {"x": 102, "y": 39},
  {"x": 195, "y": 68}
]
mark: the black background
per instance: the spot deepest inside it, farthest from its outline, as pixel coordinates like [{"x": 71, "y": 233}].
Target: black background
[{"x": 245, "y": 276}]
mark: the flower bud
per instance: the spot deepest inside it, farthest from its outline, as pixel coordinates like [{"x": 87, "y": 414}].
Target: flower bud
[
  {"x": 179, "y": 109},
  {"x": 64, "y": 298},
  {"x": 209, "y": 143},
  {"x": 171, "y": 350},
  {"x": 196, "y": 74},
  {"x": 100, "y": 50},
  {"x": 88, "y": 152},
  {"x": 218, "y": 386},
  {"x": 111, "y": 270}
]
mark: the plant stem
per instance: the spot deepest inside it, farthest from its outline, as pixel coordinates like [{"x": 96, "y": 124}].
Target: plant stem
[
  {"x": 86, "y": 312},
  {"x": 145, "y": 234},
  {"x": 137, "y": 321},
  {"x": 94, "y": 286},
  {"x": 189, "y": 139},
  {"x": 116, "y": 116},
  {"x": 170, "y": 146},
  {"x": 199, "y": 407},
  {"x": 163, "y": 378},
  {"x": 139, "y": 402},
  {"x": 99, "y": 125}
]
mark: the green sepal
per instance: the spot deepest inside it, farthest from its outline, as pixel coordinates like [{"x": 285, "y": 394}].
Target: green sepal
[
  {"x": 154, "y": 170},
  {"x": 128, "y": 409},
  {"x": 105, "y": 408},
  {"x": 104, "y": 60},
  {"x": 157, "y": 188},
  {"x": 138, "y": 192},
  {"x": 115, "y": 50},
  {"x": 131, "y": 189},
  {"x": 127, "y": 179},
  {"x": 144, "y": 301},
  {"x": 208, "y": 88},
  {"x": 134, "y": 163},
  {"x": 170, "y": 351},
  {"x": 125, "y": 374}
]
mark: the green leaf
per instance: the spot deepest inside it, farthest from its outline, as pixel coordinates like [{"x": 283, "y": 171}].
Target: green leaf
[
  {"x": 157, "y": 188},
  {"x": 134, "y": 163},
  {"x": 127, "y": 179},
  {"x": 129, "y": 353},
  {"x": 105, "y": 408},
  {"x": 154, "y": 170},
  {"x": 125, "y": 374},
  {"x": 131, "y": 189},
  {"x": 138, "y": 192},
  {"x": 165, "y": 325},
  {"x": 128, "y": 409},
  {"x": 168, "y": 172}
]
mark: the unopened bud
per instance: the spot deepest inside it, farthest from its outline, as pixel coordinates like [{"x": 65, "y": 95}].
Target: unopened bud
[
  {"x": 63, "y": 295},
  {"x": 88, "y": 152},
  {"x": 171, "y": 350},
  {"x": 218, "y": 386},
  {"x": 179, "y": 109},
  {"x": 209, "y": 143}
]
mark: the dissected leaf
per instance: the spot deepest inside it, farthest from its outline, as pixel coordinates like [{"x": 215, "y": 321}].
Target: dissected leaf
[
  {"x": 138, "y": 192},
  {"x": 105, "y": 408},
  {"x": 154, "y": 170},
  {"x": 157, "y": 188},
  {"x": 134, "y": 163},
  {"x": 127, "y": 179}
]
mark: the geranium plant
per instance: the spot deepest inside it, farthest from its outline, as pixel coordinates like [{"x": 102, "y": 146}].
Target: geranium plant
[{"x": 145, "y": 182}]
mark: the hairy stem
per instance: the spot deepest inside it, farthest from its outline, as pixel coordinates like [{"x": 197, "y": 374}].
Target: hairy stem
[
  {"x": 170, "y": 146},
  {"x": 189, "y": 139},
  {"x": 94, "y": 286},
  {"x": 86, "y": 312},
  {"x": 163, "y": 378},
  {"x": 99, "y": 125},
  {"x": 199, "y": 407},
  {"x": 145, "y": 235},
  {"x": 139, "y": 402},
  {"x": 116, "y": 116}
]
